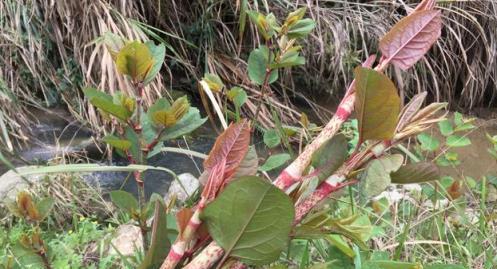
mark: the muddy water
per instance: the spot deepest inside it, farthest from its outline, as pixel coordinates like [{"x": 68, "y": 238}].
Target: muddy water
[{"x": 476, "y": 162}]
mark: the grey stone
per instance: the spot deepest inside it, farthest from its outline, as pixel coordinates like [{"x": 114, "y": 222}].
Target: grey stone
[
  {"x": 11, "y": 182},
  {"x": 127, "y": 240},
  {"x": 189, "y": 183}
]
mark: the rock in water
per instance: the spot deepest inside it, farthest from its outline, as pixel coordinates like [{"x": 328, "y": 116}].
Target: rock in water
[
  {"x": 189, "y": 183},
  {"x": 11, "y": 183},
  {"x": 127, "y": 240}
]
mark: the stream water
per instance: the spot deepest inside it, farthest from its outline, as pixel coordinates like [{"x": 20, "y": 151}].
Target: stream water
[{"x": 55, "y": 135}]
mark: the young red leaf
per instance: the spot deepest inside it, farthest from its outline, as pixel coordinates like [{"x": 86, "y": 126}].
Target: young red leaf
[
  {"x": 411, "y": 109},
  {"x": 226, "y": 155},
  {"x": 425, "y": 5},
  {"x": 411, "y": 38}
]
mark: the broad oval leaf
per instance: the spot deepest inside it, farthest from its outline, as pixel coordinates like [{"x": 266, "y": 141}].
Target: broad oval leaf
[
  {"x": 135, "y": 149},
  {"x": 214, "y": 81},
  {"x": 117, "y": 142},
  {"x": 249, "y": 164},
  {"x": 105, "y": 103},
  {"x": 124, "y": 200},
  {"x": 376, "y": 178},
  {"x": 238, "y": 96},
  {"x": 458, "y": 141},
  {"x": 251, "y": 220},
  {"x": 275, "y": 161},
  {"x": 415, "y": 173},
  {"x": 45, "y": 206},
  {"x": 135, "y": 60},
  {"x": 188, "y": 123},
  {"x": 377, "y": 105},
  {"x": 170, "y": 116},
  {"x": 258, "y": 62},
  {"x": 428, "y": 142},
  {"x": 301, "y": 28},
  {"x": 445, "y": 127},
  {"x": 271, "y": 138},
  {"x": 330, "y": 156},
  {"x": 411, "y": 38},
  {"x": 158, "y": 55}
]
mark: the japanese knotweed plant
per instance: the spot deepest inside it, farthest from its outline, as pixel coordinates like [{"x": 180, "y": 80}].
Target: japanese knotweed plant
[
  {"x": 250, "y": 219},
  {"x": 30, "y": 251},
  {"x": 140, "y": 130}
]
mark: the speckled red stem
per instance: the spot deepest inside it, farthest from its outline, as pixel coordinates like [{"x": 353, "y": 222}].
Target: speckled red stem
[
  {"x": 293, "y": 173},
  {"x": 179, "y": 247}
]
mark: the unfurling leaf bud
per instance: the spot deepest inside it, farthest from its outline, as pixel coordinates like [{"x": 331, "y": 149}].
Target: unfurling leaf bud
[{"x": 173, "y": 114}]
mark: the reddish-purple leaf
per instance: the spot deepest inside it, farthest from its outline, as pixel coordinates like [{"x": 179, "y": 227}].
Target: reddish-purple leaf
[
  {"x": 425, "y": 5},
  {"x": 225, "y": 157},
  {"x": 410, "y": 39}
]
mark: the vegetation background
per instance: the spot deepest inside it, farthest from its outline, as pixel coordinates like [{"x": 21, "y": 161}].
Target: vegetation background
[{"x": 51, "y": 50}]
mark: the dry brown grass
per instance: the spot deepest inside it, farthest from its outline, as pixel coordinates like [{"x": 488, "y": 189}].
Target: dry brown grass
[{"x": 52, "y": 48}]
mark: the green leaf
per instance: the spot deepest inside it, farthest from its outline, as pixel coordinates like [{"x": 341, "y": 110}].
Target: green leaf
[
  {"x": 135, "y": 60},
  {"x": 160, "y": 104},
  {"x": 92, "y": 93},
  {"x": 158, "y": 56},
  {"x": 116, "y": 142},
  {"x": 160, "y": 244},
  {"x": 415, "y": 173},
  {"x": 214, "y": 82},
  {"x": 458, "y": 119},
  {"x": 461, "y": 123},
  {"x": 376, "y": 178},
  {"x": 271, "y": 138},
  {"x": 258, "y": 62},
  {"x": 105, "y": 103},
  {"x": 289, "y": 59},
  {"x": 275, "y": 161},
  {"x": 135, "y": 148},
  {"x": 339, "y": 247},
  {"x": 446, "y": 127},
  {"x": 377, "y": 105},
  {"x": 124, "y": 200},
  {"x": 238, "y": 96},
  {"x": 330, "y": 156},
  {"x": 188, "y": 123},
  {"x": 27, "y": 258},
  {"x": 448, "y": 159},
  {"x": 249, "y": 164},
  {"x": 260, "y": 21},
  {"x": 428, "y": 142},
  {"x": 170, "y": 116},
  {"x": 458, "y": 141},
  {"x": 301, "y": 28},
  {"x": 149, "y": 131},
  {"x": 392, "y": 265},
  {"x": 355, "y": 227},
  {"x": 256, "y": 224},
  {"x": 464, "y": 127},
  {"x": 294, "y": 16},
  {"x": 44, "y": 206},
  {"x": 444, "y": 266}
]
